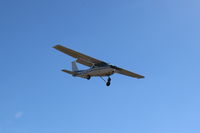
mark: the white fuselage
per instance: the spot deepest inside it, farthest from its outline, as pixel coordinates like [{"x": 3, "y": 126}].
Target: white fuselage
[{"x": 96, "y": 71}]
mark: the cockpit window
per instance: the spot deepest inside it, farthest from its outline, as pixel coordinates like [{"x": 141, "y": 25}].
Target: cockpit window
[{"x": 101, "y": 64}]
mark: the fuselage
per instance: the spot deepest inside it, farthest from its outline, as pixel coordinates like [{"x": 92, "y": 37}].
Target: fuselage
[{"x": 95, "y": 71}]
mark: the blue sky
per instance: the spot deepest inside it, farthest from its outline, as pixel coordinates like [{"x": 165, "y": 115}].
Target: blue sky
[{"x": 158, "y": 39}]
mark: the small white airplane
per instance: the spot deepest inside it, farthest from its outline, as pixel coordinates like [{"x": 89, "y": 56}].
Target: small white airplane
[{"x": 97, "y": 68}]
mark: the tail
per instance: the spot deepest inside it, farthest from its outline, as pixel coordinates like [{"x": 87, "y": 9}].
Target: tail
[
  {"x": 74, "y": 66},
  {"x": 69, "y": 72}
]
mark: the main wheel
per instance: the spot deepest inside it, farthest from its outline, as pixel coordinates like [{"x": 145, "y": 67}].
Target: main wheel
[
  {"x": 108, "y": 83},
  {"x": 88, "y": 77}
]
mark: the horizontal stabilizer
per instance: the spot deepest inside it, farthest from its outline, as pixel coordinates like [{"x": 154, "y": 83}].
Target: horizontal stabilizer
[{"x": 69, "y": 72}]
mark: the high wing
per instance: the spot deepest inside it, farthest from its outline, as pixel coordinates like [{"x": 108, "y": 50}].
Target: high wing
[
  {"x": 81, "y": 58},
  {"x": 128, "y": 73}
]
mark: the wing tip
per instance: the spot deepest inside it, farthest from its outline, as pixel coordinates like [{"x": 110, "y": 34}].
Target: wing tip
[
  {"x": 141, "y": 77},
  {"x": 56, "y": 46}
]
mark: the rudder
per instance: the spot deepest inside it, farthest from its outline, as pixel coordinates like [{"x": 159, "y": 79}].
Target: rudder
[{"x": 74, "y": 66}]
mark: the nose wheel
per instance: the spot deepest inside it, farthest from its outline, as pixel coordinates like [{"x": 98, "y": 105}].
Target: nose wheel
[{"x": 108, "y": 82}]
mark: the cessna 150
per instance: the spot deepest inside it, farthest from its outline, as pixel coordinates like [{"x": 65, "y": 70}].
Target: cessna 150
[{"x": 97, "y": 68}]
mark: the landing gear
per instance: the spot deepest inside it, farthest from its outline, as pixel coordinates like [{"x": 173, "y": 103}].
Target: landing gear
[
  {"x": 108, "y": 82},
  {"x": 109, "y": 79},
  {"x": 88, "y": 77}
]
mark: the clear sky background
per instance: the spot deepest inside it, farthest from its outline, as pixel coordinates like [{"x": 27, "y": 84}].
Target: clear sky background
[{"x": 159, "y": 39}]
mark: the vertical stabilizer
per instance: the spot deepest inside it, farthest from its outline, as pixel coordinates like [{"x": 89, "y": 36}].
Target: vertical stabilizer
[{"x": 74, "y": 66}]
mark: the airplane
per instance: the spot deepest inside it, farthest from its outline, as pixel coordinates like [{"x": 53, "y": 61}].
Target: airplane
[{"x": 97, "y": 68}]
